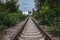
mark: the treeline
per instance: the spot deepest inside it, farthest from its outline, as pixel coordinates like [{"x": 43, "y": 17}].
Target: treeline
[
  {"x": 10, "y": 14},
  {"x": 48, "y": 13}
]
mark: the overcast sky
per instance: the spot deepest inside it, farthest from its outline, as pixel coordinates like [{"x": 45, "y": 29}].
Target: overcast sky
[{"x": 26, "y": 5}]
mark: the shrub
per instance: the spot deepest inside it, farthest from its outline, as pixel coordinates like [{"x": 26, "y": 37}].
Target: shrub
[
  {"x": 10, "y": 19},
  {"x": 1, "y": 28},
  {"x": 54, "y": 30},
  {"x": 50, "y": 17}
]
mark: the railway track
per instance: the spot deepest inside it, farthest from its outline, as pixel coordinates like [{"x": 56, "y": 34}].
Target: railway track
[{"x": 31, "y": 31}]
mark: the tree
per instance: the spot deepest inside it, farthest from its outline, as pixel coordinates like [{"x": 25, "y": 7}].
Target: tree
[
  {"x": 48, "y": 13},
  {"x": 11, "y": 6}
]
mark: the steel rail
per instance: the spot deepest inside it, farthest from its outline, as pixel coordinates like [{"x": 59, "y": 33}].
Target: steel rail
[
  {"x": 47, "y": 36},
  {"x": 15, "y": 37}
]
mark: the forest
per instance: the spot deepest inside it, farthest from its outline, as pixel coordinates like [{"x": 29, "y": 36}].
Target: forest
[{"x": 48, "y": 13}]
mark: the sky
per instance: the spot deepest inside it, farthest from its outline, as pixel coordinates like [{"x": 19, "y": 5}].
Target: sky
[{"x": 26, "y": 5}]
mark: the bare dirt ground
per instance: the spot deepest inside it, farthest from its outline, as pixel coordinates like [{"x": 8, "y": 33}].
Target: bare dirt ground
[{"x": 10, "y": 32}]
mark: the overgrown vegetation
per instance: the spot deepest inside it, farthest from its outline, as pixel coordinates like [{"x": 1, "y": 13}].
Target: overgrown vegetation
[
  {"x": 9, "y": 14},
  {"x": 48, "y": 13}
]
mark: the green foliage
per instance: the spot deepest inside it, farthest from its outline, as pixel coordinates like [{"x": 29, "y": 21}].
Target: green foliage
[
  {"x": 9, "y": 14},
  {"x": 11, "y": 6},
  {"x": 49, "y": 14},
  {"x": 51, "y": 18},
  {"x": 10, "y": 19},
  {"x": 43, "y": 17},
  {"x": 1, "y": 28},
  {"x": 54, "y": 30}
]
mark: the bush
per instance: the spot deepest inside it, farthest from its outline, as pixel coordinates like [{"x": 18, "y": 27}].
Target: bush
[
  {"x": 50, "y": 17},
  {"x": 43, "y": 22},
  {"x": 54, "y": 30},
  {"x": 10, "y": 19},
  {"x": 10, "y": 14},
  {"x": 1, "y": 28},
  {"x": 43, "y": 19}
]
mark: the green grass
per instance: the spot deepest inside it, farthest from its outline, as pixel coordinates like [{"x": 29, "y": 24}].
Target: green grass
[{"x": 55, "y": 31}]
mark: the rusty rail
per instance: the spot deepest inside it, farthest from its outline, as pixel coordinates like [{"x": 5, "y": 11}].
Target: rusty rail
[
  {"x": 15, "y": 37},
  {"x": 47, "y": 36}
]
